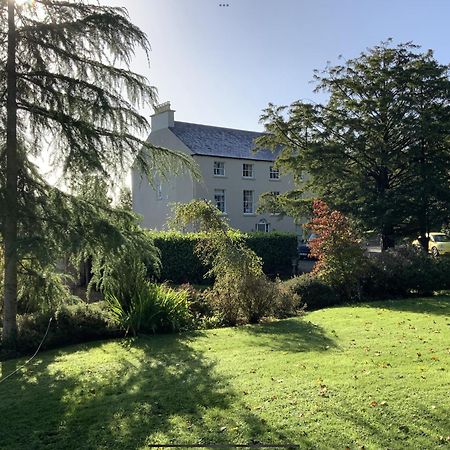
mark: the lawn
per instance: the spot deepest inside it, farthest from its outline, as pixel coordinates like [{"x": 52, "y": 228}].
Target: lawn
[{"x": 368, "y": 376}]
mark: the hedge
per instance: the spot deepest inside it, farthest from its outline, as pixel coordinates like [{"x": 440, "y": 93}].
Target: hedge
[{"x": 180, "y": 264}]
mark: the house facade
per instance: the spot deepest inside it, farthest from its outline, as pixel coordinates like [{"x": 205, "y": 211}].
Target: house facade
[{"x": 233, "y": 176}]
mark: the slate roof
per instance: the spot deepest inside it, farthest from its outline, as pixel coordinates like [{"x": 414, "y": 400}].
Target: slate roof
[{"x": 222, "y": 142}]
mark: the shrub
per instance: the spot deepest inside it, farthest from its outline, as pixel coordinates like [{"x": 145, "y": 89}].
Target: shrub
[
  {"x": 312, "y": 292},
  {"x": 71, "y": 324},
  {"x": 241, "y": 291},
  {"x": 340, "y": 257},
  {"x": 152, "y": 308},
  {"x": 403, "y": 271},
  {"x": 181, "y": 264},
  {"x": 287, "y": 303},
  {"x": 275, "y": 249},
  {"x": 179, "y": 261}
]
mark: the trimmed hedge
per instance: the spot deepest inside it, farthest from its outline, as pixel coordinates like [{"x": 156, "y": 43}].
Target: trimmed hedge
[
  {"x": 276, "y": 250},
  {"x": 180, "y": 264}
]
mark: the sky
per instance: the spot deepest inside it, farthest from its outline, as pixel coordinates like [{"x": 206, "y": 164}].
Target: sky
[{"x": 222, "y": 65}]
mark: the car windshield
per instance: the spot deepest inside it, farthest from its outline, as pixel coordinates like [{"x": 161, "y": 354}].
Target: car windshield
[{"x": 441, "y": 238}]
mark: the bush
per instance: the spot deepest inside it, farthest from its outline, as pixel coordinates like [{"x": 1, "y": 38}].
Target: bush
[
  {"x": 340, "y": 258},
  {"x": 312, "y": 292},
  {"x": 404, "y": 271},
  {"x": 286, "y": 303},
  {"x": 275, "y": 249},
  {"x": 71, "y": 324},
  {"x": 181, "y": 264},
  {"x": 152, "y": 308}
]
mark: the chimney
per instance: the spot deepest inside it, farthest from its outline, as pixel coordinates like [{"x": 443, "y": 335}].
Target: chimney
[{"x": 163, "y": 117}]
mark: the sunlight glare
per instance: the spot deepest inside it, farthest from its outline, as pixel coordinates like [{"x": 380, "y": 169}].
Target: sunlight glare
[{"x": 25, "y": 2}]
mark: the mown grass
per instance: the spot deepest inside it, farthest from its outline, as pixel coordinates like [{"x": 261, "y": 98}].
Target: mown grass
[{"x": 372, "y": 376}]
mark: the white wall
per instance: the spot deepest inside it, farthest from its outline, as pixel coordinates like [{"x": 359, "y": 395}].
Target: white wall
[
  {"x": 154, "y": 204},
  {"x": 234, "y": 184}
]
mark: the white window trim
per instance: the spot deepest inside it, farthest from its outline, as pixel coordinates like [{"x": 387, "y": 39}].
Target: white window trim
[
  {"x": 252, "y": 212},
  {"x": 273, "y": 172},
  {"x": 248, "y": 177},
  {"x": 224, "y": 212},
  {"x": 223, "y": 168}
]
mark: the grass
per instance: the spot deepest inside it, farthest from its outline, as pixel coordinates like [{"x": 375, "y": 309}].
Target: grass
[{"x": 370, "y": 376}]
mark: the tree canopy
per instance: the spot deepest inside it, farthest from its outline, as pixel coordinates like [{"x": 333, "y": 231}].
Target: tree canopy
[
  {"x": 67, "y": 94},
  {"x": 378, "y": 149}
]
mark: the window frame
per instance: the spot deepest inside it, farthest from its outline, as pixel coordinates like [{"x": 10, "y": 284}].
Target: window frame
[
  {"x": 219, "y": 168},
  {"x": 245, "y": 168},
  {"x": 246, "y": 202},
  {"x": 216, "y": 201},
  {"x": 274, "y": 173}
]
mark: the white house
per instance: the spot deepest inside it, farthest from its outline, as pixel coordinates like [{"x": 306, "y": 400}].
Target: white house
[{"x": 233, "y": 175}]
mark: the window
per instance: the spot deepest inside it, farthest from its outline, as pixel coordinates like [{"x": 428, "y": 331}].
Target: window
[
  {"x": 219, "y": 168},
  {"x": 247, "y": 170},
  {"x": 219, "y": 199},
  {"x": 248, "y": 202},
  {"x": 274, "y": 174},
  {"x": 263, "y": 226}
]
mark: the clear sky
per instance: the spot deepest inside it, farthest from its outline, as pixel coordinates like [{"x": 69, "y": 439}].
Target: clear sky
[{"x": 223, "y": 65}]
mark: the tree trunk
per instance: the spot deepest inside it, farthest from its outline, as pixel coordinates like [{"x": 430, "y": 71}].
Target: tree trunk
[{"x": 10, "y": 225}]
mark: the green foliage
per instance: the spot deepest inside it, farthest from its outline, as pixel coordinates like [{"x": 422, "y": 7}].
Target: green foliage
[
  {"x": 152, "y": 308},
  {"x": 180, "y": 263},
  {"x": 378, "y": 149},
  {"x": 241, "y": 291},
  {"x": 275, "y": 249},
  {"x": 312, "y": 292},
  {"x": 405, "y": 271},
  {"x": 71, "y": 324},
  {"x": 287, "y": 302},
  {"x": 42, "y": 289},
  {"x": 77, "y": 107}
]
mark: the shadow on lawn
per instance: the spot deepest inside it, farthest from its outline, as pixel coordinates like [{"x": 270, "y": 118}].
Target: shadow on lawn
[
  {"x": 291, "y": 335},
  {"x": 438, "y": 305},
  {"x": 161, "y": 392}
]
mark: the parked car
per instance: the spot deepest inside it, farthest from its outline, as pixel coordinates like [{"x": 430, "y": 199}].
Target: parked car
[
  {"x": 303, "y": 247},
  {"x": 438, "y": 244}
]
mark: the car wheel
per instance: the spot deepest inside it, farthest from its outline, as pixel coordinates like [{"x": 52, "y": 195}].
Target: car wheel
[{"x": 434, "y": 251}]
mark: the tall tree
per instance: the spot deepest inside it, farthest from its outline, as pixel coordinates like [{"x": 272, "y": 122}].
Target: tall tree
[
  {"x": 371, "y": 149},
  {"x": 67, "y": 87}
]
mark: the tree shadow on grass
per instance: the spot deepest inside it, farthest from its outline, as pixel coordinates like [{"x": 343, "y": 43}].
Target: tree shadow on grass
[
  {"x": 291, "y": 335},
  {"x": 159, "y": 391},
  {"x": 438, "y": 305},
  {"x": 391, "y": 427}
]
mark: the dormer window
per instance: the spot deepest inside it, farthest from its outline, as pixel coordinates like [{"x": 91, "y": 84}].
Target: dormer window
[
  {"x": 274, "y": 174},
  {"x": 219, "y": 169}
]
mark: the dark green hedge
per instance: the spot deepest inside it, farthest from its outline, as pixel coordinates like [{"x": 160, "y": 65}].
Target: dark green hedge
[
  {"x": 276, "y": 250},
  {"x": 180, "y": 264}
]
